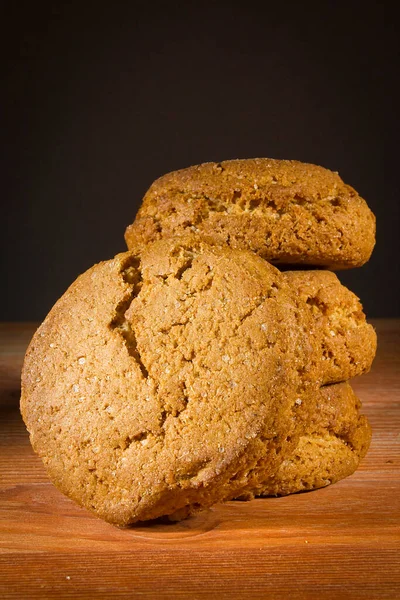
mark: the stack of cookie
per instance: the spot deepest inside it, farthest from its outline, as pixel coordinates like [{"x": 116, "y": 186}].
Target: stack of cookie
[{"x": 190, "y": 370}]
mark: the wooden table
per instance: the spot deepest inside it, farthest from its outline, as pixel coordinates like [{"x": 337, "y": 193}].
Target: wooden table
[{"x": 339, "y": 542}]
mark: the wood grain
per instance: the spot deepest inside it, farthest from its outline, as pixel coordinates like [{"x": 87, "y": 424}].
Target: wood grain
[{"x": 339, "y": 542}]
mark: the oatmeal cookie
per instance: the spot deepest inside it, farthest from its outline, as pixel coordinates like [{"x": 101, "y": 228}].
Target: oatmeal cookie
[
  {"x": 286, "y": 211},
  {"x": 159, "y": 383}
]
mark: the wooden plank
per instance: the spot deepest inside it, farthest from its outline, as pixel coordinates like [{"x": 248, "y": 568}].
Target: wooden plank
[{"x": 339, "y": 542}]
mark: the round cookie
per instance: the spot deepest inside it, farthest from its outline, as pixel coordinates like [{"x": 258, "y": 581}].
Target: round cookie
[
  {"x": 288, "y": 212},
  {"x": 348, "y": 342},
  {"x": 331, "y": 447},
  {"x": 160, "y": 383}
]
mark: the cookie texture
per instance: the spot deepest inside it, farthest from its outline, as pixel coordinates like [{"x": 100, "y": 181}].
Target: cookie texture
[
  {"x": 288, "y": 212},
  {"x": 334, "y": 437},
  {"x": 334, "y": 441},
  {"x": 167, "y": 382},
  {"x": 348, "y": 342}
]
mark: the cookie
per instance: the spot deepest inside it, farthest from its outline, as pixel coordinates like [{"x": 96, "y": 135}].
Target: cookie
[
  {"x": 288, "y": 212},
  {"x": 162, "y": 382},
  {"x": 348, "y": 342},
  {"x": 334, "y": 441}
]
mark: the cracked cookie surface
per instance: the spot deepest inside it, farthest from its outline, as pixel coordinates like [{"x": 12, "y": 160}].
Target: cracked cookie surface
[
  {"x": 160, "y": 383},
  {"x": 288, "y": 212}
]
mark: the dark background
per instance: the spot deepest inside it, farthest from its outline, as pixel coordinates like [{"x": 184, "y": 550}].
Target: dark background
[{"x": 98, "y": 102}]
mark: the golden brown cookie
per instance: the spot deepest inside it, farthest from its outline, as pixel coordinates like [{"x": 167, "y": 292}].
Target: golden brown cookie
[
  {"x": 288, "y": 212},
  {"x": 348, "y": 342},
  {"x": 334, "y": 440},
  {"x": 163, "y": 383}
]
